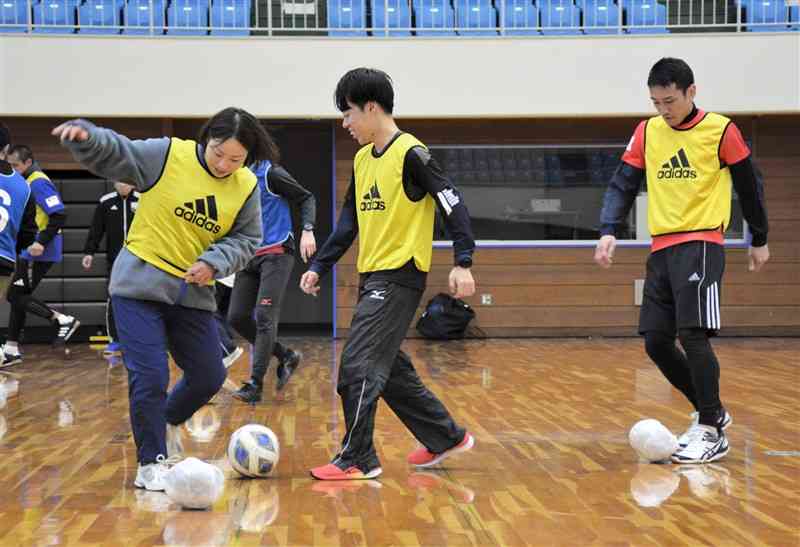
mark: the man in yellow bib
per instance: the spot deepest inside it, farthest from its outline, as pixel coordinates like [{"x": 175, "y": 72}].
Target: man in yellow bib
[
  {"x": 199, "y": 218},
  {"x": 690, "y": 159},
  {"x": 396, "y": 186}
]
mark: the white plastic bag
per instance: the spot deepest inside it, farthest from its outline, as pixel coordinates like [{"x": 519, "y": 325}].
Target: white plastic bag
[{"x": 194, "y": 483}]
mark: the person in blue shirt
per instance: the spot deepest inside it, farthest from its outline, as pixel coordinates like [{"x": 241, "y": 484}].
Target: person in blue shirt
[
  {"x": 37, "y": 259},
  {"x": 255, "y": 304},
  {"x": 17, "y": 220}
]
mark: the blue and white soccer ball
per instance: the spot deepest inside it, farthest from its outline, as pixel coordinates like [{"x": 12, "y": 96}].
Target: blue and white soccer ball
[{"x": 253, "y": 451}]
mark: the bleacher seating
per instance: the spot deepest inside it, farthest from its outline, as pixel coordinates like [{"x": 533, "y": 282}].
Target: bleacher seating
[
  {"x": 600, "y": 16},
  {"x": 520, "y": 18},
  {"x": 765, "y": 15},
  {"x": 391, "y": 14},
  {"x": 347, "y": 15},
  {"x": 187, "y": 17},
  {"x": 14, "y": 13},
  {"x": 104, "y": 15},
  {"x": 434, "y": 18},
  {"x": 645, "y": 17},
  {"x": 230, "y": 17},
  {"x": 58, "y": 13},
  {"x": 560, "y": 17},
  {"x": 476, "y": 17},
  {"x": 139, "y": 17}
]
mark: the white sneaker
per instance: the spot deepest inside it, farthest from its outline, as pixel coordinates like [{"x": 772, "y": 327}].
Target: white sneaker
[
  {"x": 705, "y": 445},
  {"x": 151, "y": 476},
  {"x": 683, "y": 440},
  {"x": 232, "y": 357},
  {"x": 174, "y": 442},
  {"x": 67, "y": 325},
  {"x": 9, "y": 357}
]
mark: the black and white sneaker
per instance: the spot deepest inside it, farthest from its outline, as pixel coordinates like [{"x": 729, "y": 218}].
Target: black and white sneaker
[
  {"x": 9, "y": 357},
  {"x": 706, "y": 444},
  {"x": 66, "y": 328},
  {"x": 723, "y": 424}
]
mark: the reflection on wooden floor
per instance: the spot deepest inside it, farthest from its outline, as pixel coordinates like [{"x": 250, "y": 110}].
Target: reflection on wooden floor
[{"x": 552, "y": 465}]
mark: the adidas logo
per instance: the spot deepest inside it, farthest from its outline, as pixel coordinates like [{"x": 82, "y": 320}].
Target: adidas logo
[
  {"x": 371, "y": 201},
  {"x": 677, "y": 167},
  {"x": 202, "y": 212},
  {"x": 694, "y": 277}
]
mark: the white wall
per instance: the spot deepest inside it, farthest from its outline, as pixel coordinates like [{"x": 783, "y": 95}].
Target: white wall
[{"x": 434, "y": 78}]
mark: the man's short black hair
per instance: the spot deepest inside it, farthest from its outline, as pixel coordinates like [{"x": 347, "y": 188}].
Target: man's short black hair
[
  {"x": 5, "y": 136},
  {"x": 363, "y": 85},
  {"x": 23, "y": 151},
  {"x": 668, "y": 71}
]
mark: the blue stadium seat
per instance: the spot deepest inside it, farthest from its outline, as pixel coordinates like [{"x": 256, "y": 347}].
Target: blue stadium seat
[
  {"x": 520, "y": 18},
  {"x": 54, "y": 12},
  {"x": 138, "y": 17},
  {"x": 648, "y": 16},
  {"x": 794, "y": 17},
  {"x": 346, "y": 14},
  {"x": 562, "y": 16},
  {"x": 479, "y": 15},
  {"x": 230, "y": 17},
  {"x": 99, "y": 13},
  {"x": 434, "y": 18},
  {"x": 601, "y": 17},
  {"x": 182, "y": 15},
  {"x": 391, "y": 14},
  {"x": 765, "y": 15},
  {"x": 14, "y": 13}
]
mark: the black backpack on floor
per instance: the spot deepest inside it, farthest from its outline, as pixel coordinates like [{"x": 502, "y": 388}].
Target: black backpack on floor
[{"x": 445, "y": 318}]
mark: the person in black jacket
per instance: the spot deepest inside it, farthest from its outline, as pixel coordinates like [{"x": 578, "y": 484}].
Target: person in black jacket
[{"x": 112, "y": 218}]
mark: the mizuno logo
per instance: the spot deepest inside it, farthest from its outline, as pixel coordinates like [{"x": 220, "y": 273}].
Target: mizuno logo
[
  {"x": 677, "y": 167},
  {"x": 378, "y": 295},
  {"x": 371, "y": 201},
  {"x": 200, "y": 212}
]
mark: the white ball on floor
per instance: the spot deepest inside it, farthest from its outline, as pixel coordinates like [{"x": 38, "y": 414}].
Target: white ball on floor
[
  {"x": 652, "y": 441},
  {"x": 253, "y": 450},
  {"x": 194, "y": 484}
]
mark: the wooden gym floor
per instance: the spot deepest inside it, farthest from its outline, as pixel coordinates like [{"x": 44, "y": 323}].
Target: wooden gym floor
[{"x": 551, "y": 466}]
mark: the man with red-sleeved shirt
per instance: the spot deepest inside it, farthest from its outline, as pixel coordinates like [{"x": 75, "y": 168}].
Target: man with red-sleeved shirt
[{"x": 691, "y": 159}]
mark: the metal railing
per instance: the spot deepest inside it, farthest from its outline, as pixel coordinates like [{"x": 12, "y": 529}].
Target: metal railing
[{"x": 393, "y": 18}]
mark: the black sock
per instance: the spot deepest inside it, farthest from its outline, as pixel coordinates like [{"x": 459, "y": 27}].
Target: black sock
[
  {"x": 671, "y": 362},
  {"x": 704, "y": 369}
]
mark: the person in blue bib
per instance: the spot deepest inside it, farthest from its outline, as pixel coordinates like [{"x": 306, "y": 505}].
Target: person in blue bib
[
  {"x": 38, "y": 258},
  {"x": 258, "y": 292},
  {"x": 17, "y": 219},
  {"x": 198, "y": 219}
]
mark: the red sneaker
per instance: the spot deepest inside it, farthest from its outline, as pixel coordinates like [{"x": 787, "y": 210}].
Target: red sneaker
[
  {"x": 330, "y": 472},
  {"x": 421, "y": 457}
]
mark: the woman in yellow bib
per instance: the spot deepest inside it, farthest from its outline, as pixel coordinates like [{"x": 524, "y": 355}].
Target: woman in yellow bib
[{"x": 199, "y": 219}]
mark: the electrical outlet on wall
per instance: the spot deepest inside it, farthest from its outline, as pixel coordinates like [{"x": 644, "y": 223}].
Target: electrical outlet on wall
[{"x": 486, "y": 299}]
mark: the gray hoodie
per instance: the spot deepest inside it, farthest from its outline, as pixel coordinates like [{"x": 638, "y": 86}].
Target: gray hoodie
[{"x": 141, "y": 162}]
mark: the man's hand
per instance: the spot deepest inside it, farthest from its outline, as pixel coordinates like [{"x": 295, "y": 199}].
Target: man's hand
[
  {"x": 200, "y": 273},
  {"x": 70, "y": 132},
  {"x": 308, "y": 245},
  {"x": 461, "y": 282},
  {"x": 36, "y": 249},
  {"x": 604, "y": 252},
  {"x": 308, "y": 283},
  {"x": 87, "y": 262},
  {"x": 757, "y": 257}
]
